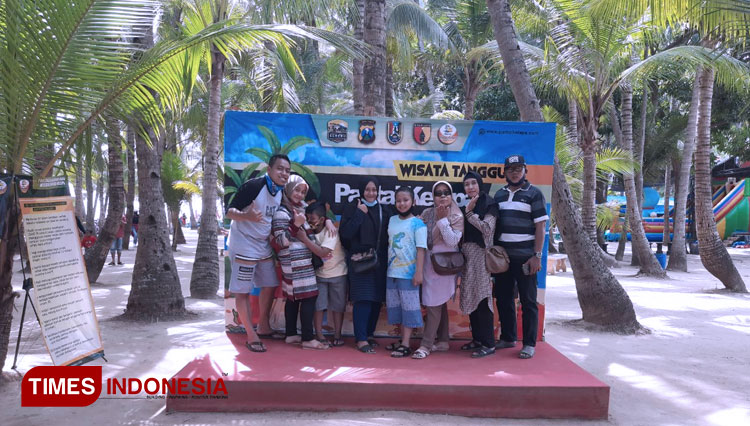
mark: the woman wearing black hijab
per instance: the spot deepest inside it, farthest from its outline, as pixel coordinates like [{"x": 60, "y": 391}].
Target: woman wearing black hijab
[
  {"x": 476, "y": 285},
  {"x": 360, "y": 223}
]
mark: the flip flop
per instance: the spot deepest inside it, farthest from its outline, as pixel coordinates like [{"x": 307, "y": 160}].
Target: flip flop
[
  {"x": 339, "y": 342},
  {"x": 366, "y": 349},
  {"x": 256, "y": 346}
]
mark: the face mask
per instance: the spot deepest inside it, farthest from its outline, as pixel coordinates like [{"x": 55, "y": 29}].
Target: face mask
[
  {"x": 370, "y": 204},
  {"x": 272, "y": 187}
]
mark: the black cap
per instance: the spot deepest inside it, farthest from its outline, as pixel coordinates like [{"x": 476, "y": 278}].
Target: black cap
[{"x": 514, "y": 159}]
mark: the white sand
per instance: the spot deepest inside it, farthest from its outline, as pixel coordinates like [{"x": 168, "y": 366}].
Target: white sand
[{"x": 694, "y": 368}]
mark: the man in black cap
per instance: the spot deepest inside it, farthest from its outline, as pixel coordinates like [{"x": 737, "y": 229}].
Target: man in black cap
[{"x": 520, "y": 230}]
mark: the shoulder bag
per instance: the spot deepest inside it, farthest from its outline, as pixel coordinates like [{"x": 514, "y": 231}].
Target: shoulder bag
[
  {"x": 496, "y": 260},
  {"x": 367, "y": 261}
]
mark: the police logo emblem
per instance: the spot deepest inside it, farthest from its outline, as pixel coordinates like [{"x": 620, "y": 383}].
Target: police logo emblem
[
  {"x": 447, "y": 134},
  {"x": 394, "y": 132},
  {"x": 366, "y": 131},
  {"x": 422, "y": 132},
  {"x": 337, "y": 130}
]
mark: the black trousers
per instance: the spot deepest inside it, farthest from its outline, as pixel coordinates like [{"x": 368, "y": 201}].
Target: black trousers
[
  {"x": 306, "y": 310},
  {"x": 365, "y": 316},
  {"x": 482, "y": 324},
  {"x": 506, "y": 305}
]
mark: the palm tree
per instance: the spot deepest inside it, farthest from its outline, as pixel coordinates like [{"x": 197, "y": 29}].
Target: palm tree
[
  {"x": 177, "y": 185},
  {"x": 277, "y": 148},
  {"x": 204, "y": 282},
  {"x": 374, "y": 69},
  {"x": 60, "y": 71},
  {"x": 96, "y": 256},
  {"x": 715, "y": 20},
  {"x": 603, "y": 300},
  {"x": 713, "y": 253}
]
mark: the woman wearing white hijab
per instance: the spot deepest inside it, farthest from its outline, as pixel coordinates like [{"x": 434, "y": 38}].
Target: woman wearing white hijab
[{"x": 445, "y": 225}]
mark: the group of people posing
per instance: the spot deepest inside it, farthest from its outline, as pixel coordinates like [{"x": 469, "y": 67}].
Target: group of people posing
[{"x": 384, "y": 254}]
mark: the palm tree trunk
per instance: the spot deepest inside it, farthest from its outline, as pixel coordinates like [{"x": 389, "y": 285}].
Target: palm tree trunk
[
  {"x": 174, "y": 218},
  {"x": 389, "y": 89},
  {"x": 678, "y": 258},
  {"x": 102, "y": 197},
  {"x": 588, "y": 194},
  {"x": 97, "y": 255},
  {"x": 204, "y": 281},
  {"x": 714, "y": 255},
  {"x": 358, "y": 81},
  {"x": 130, "y": 194},
  {"x": 79, "y": 207},
  {"x": 155, "y": 292},
  {"x": 667, "y": 183},
  {"x": 8, "y": 247},
  {"x": 193, "y": 223},
  {"x": 603, "y": 300},
  {"x": 638, "y": 150},
  {"x": 622, "y": 241},
  {"x": 648, "y": 264},
  {"x": 90, "y": 197},
  {"x": 374, "y": 68}
]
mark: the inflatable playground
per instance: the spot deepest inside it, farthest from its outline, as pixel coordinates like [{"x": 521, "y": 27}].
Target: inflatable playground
[{"x": 731, "y": 201}]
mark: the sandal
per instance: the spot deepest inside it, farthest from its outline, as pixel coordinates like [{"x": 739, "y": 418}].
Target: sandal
[
  {"x": 526, "y": 352},
  {"x": 338, "y": 341},
  {"x": 482, "y": 352},
  {"x": 421, "y": 353},
  {"x": 374, "y": 343},
  {"x": 401, "y": 352},
  {"x": 366, "y": 349},
  {"x": 315, "y": 344},
  {"x": 256, "y": 346},
  {"x": 471, "y": 346},
  {"x": 393, "y": 346}
]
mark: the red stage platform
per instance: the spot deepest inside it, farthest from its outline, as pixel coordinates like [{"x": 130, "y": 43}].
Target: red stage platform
[{"x": 288, "y": 378}]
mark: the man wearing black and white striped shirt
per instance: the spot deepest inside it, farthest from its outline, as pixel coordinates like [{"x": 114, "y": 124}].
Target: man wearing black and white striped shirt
[{"x": 520, "y": 230}]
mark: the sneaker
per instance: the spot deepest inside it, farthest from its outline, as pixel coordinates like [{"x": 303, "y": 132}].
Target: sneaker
[
  {"x": 111, "y": 263},
  {"x": 502, "y": 344}
]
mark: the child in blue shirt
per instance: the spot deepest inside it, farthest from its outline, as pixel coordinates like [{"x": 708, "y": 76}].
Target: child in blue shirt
[{"x": 407, "y": 241}]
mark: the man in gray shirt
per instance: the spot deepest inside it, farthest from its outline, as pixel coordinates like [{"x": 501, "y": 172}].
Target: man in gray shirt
[{"x": 251, "y": 212}]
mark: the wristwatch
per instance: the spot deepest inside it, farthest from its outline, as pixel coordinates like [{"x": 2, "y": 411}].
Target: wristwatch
[{"x": 538, "y": 255}]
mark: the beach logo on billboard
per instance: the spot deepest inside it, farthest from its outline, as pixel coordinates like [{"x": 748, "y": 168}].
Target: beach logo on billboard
[
  {"x": 337, "y": 130},
  {"x": 23, "y": 185},
  {"x": 394, "y": 132},
  {"x": 422, "y": 132},
  {"x": 366, "y": 131},
  {"x": 447, "y": 134}
]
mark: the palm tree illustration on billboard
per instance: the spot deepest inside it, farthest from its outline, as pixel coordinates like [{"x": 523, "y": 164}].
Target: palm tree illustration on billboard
[{"x": 264, "y": 155}]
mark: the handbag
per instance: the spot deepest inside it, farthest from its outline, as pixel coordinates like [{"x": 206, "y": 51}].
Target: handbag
[
  {"x": 367, "y": 261},
  {"x": 496, "y": 260},
  {"x": 448, "y": 263}
]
